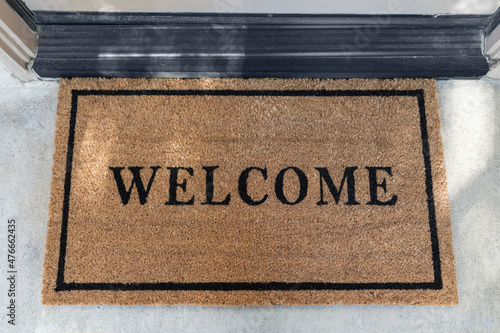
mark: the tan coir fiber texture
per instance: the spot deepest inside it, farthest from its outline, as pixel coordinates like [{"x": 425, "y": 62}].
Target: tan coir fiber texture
[{"x": 242, "y": 192}]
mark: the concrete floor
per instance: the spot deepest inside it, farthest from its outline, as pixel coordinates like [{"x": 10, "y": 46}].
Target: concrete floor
[{"x": 471, "y": 136}]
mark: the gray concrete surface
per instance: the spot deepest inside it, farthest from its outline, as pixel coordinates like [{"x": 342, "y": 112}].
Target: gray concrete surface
[{"x": 471, "y": 136}]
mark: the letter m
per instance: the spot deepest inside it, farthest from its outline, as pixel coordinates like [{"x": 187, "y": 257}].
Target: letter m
[
  {"x": 136, "y": 180},
  {"x": 351, "y": 191}
]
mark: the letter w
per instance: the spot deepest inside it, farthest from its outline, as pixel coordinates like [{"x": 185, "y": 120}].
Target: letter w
[{"x": 136, "y": 172}]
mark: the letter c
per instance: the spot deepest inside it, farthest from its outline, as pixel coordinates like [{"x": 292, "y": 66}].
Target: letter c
[{"x": 243, "y": 186}]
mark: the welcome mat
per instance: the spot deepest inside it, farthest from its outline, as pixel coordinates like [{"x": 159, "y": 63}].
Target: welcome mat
[{"x": 243, "y": 192}]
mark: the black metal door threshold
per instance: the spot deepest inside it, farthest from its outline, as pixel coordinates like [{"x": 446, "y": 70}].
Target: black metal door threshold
[{"x": 187, "y": 45}]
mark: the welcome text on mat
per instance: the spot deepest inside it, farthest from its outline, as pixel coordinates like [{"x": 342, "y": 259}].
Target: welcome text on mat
[{"x": 324, "y": 177}]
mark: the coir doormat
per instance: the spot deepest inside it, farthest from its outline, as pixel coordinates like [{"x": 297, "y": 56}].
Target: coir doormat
[{"x": 242, "y": 192}]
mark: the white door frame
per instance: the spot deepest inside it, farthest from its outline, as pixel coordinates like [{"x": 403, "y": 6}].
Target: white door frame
[{"x": 17, "y": 43}]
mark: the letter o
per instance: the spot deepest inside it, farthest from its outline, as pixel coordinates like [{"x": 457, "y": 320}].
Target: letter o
[{"x": 278, "y": 186}]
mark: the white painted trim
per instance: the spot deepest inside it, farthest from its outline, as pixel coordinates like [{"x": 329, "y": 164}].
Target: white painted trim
[
  {"x": 17, "y": 70},
  {"x": 492, "y": 45},
  {"x": 494, "y": 72},
  {"x": 17, "y": 43},
  {"x": 429, "y": 7}
]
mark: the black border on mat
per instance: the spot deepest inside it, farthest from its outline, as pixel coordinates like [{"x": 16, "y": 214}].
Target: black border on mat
[{"x": 273, "y": 285}]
